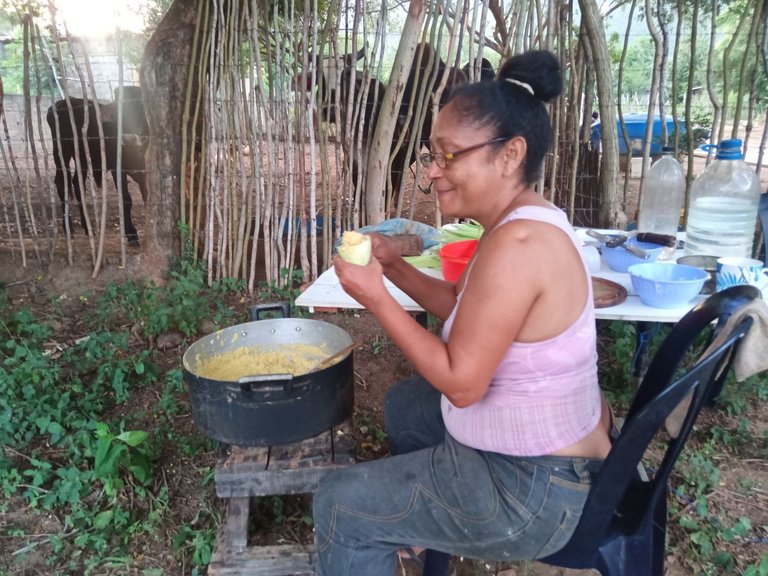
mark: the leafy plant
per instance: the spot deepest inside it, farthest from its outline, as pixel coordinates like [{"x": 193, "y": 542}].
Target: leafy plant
[
  {"x": 66, "y": 449},
  {"x": 759, "y": 569},
  {"x": 180, "y": 304},
  {"x": 618, "y": 339},
  {"x": 372, "y": 437},
  {"x": 286, "y": 289},
  {"x": 118, "y": 453},
  {"x": 197, "y": 538},
  {"x": 736, "y": 397}
]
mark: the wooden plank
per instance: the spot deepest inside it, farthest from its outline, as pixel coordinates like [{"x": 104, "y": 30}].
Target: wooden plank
[
  {"x": 270, "y": 483},
  {"x": 292, "y": 469},
  {"x": 242, "y": 473},
  {"x": 236, "y": 526},
  {"x": 286, "y": 560}
]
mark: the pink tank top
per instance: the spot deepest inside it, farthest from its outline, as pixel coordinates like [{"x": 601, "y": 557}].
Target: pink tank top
[{"x": 544, "y": 396}]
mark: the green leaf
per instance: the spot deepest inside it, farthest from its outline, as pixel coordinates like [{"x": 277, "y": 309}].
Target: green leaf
[
  {"x": 102, "y": 430},
  {"x": 703, "y": 541},
  {"x": 141, "y": 468},
  {"x": 133, "y": 437},
  {"x": 108, "y": 461},
  {"x": 742, "y": 527},
  {"x": 202, "y": 555},
  {"x": 722, "y": 558},
  {"x": 55, "y": 430},
  {"x": 687, "y": 523},
  {"x": 102, "y": 519},
  {"x": 180, "y": 537},
  {"x": 42, "y": 422}
]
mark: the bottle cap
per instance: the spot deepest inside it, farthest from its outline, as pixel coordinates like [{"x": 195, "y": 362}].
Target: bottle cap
[
  {"x": 667, "y": 150},
  {"x": 729, "y": 150}
]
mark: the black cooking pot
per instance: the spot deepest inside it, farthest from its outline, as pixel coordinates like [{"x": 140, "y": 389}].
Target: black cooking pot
[{"x": 270, "y": 409}]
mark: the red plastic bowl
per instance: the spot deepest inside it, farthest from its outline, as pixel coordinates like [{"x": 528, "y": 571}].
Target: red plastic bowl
[{"x": 455, "y": 256}]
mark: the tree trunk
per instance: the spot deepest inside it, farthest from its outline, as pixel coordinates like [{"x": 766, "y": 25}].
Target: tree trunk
[
  {"x": 745, "y": 73},
  {"x": 381, "y": 143},
  {"x": 654, "y": 99},
  {"x": 611, "y": 215},
  {"x": 620, "y": 91},
  {"x": 664, "y": 19},
  {"x": 164, "y": 76}
]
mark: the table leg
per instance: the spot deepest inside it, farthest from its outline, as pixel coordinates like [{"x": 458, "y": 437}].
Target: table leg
[{"x": 645, "y": 331}]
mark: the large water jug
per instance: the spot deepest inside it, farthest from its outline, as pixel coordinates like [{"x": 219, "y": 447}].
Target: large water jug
[
  {"x": 722, "y": 207},
  {"x": 662, "y": 198}
]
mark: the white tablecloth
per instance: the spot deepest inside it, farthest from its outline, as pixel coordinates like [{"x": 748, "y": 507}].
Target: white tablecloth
[{"x": 327, "y": 292}]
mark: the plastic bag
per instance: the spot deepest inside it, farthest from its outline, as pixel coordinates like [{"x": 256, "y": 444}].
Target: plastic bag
[{"x": 394, "y": 226}]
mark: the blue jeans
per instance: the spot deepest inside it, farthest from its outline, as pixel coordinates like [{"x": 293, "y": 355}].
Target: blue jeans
[{"x": 439, "y": 494}]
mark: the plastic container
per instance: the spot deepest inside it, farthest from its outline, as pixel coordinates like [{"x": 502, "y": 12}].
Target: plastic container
[
  {"x": 636, "y": 125},
  {"x": 662, "y": 285},
  {"x": 455, "y": 256},
  {"x": 662, "y": 199},
  {"x": 722, "y": 208}
]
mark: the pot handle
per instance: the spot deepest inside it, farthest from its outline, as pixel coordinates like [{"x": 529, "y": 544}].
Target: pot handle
[
  {"x": 257, "y": 309},
  {"x": 251, "y": 383}
]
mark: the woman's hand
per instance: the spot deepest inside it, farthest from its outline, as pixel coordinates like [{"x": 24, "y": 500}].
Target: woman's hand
[
  {"x": 383, "y": 251},
  {"x": 364, "y": 283}
]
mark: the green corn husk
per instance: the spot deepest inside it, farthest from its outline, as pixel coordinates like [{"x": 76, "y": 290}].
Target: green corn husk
[
  {"x": 430, "y": 258},
  {"x": 462, "y": 231},
  {"x": 427, "y": 259}
]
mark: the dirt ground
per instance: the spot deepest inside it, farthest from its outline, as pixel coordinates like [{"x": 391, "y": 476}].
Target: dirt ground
[{"x": 378, "y": 364}]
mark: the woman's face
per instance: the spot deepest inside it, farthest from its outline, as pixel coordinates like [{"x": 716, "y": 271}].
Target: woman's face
[{"x": 469, "y": 181}]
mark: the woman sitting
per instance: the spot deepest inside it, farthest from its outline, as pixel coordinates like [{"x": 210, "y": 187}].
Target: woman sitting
[{"x": 494, "y": 444}]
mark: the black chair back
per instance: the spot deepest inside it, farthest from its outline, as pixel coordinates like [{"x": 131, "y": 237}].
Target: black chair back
[{"x": 623, "y": 525}]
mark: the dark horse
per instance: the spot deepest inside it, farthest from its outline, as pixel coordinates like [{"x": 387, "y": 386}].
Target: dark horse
[{"x": 66, "y": 148}]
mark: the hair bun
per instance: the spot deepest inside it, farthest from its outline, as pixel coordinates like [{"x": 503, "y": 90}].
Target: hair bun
[{"x": 536, "y": 71}]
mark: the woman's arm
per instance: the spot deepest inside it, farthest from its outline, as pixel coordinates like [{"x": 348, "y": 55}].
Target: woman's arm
[
  {"x": 436, "y": 296},
  {"x": 516, "y": 292},
  {"x": 485, "y": 325}
]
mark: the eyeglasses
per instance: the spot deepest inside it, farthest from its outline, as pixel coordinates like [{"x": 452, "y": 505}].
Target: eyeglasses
[{"x": 442, "y": 159}]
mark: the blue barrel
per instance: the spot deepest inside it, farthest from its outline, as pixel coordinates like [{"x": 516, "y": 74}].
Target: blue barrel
[{"x": 635, "y": 124}]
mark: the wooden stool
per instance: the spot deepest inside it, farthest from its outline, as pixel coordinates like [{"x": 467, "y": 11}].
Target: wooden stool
[{"x": 245, "y": 473}]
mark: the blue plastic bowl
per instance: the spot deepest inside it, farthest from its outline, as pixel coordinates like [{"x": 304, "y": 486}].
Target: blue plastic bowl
[
  {"x": 666, "y": 285},
  {"x": 620, "y": 259}
]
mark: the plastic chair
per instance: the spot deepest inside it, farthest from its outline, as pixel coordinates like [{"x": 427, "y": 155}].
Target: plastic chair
[{"x": 623, "y": 526}]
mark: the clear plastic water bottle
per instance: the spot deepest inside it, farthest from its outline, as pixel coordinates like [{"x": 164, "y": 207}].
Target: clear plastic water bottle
[
  {"x": 722, "y": 207},
  {"x": 662, "y": 199}
]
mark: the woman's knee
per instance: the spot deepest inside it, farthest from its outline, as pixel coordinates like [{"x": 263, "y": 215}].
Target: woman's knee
[
  {"x": 400, "y": 393},
  {"x": 411, "y": 397},
  {"x": 346, "y": 489},
  {"x": 412, "y": 416}
]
